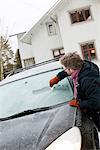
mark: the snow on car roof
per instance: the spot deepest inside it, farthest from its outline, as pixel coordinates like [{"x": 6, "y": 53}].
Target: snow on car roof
[{"x": 32, "y": 71}]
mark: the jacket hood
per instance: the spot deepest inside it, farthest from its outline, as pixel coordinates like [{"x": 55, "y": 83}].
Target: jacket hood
[{"x": 89, "y": 69}]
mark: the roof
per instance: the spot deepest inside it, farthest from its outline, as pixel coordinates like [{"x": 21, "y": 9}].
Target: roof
[
  {"x": 17, "y": 34},
  {"x": 27, "y": 36}
]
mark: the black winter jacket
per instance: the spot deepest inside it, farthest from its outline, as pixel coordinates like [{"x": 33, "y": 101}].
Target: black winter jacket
[{"x": 88, "y": 86}]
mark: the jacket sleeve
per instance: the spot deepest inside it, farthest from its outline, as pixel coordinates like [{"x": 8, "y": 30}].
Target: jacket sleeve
[
  {"x": 61, "y": 75},
  {"x": 91, "y": 92}
]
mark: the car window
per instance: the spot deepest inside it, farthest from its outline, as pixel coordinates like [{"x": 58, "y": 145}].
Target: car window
[{"x": 33, "y": 92}]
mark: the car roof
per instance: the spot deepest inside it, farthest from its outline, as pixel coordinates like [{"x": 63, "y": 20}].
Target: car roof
[{"x": 32, "y": 71}]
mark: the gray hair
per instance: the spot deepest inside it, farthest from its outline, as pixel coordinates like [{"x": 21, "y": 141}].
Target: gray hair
[{"x": 71, "y": 60}]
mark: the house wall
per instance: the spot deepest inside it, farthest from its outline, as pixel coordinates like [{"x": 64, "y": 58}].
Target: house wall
[
  {"x": 26, "y": 50},
  {"x": 74, "y": 34},
  {"x": 43, "y": 43},
  {"x": 69, "y": 36}
]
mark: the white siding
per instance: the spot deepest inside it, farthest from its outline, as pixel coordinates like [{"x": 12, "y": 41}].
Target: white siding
[
  {"x": 74, "y": 34},
  {"x": 26, "y": 50},
  {"x": 43, "y": 44}
]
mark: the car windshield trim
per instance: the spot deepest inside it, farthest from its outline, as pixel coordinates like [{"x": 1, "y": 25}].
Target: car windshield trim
[
  {"x": 33, "y": 111},
  {"x": 31, "y": 76}
]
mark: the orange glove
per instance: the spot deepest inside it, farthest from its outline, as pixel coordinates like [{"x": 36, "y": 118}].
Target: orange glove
[
  {"x": 54, "y": 80},
  {"x": 74, "y": 103}
]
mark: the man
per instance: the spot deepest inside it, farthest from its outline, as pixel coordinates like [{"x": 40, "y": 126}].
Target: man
[{"x": 86, "y": 79}]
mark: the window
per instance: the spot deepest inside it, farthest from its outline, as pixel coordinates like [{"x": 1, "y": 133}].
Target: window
[
  {"x": 88, "y": 51},
  {"x": 57, "y": 53},
  {"x": 51, "y": 28},
  {"x": 32, "y": 92},
  {"x": 29, "y": 61},
  {"x": 80, "y": 15}
]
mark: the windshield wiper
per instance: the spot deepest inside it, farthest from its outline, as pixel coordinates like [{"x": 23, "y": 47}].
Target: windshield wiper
[{"x": 26, "y": 112}]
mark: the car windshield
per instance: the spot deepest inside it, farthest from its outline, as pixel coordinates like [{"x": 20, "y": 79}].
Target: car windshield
[{"x": 33, "y": 92}]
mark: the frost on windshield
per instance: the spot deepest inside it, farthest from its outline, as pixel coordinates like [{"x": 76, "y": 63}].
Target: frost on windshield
[{"x": 31, "y": 93}]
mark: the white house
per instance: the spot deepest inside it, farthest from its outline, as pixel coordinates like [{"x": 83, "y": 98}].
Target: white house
[{"x": 70, "y": 25}]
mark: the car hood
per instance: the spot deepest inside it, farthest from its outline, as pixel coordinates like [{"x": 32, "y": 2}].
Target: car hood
[{"x": 36, "y": 131}]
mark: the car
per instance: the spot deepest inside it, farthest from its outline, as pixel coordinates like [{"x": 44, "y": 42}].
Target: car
[{"x": 34, "y": 116}]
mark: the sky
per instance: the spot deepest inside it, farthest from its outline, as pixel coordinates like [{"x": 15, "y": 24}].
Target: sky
[{"x": 19, "y": 16}]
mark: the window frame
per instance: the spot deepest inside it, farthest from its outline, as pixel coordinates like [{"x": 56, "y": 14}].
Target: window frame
[
  {"x": 27, "y": 59},
  {"x": 88, "y": 50},
  {"x": 53, "y": 28},
  {"x": 84, "y": 16},
  {"x": 59, "y": 52}
]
